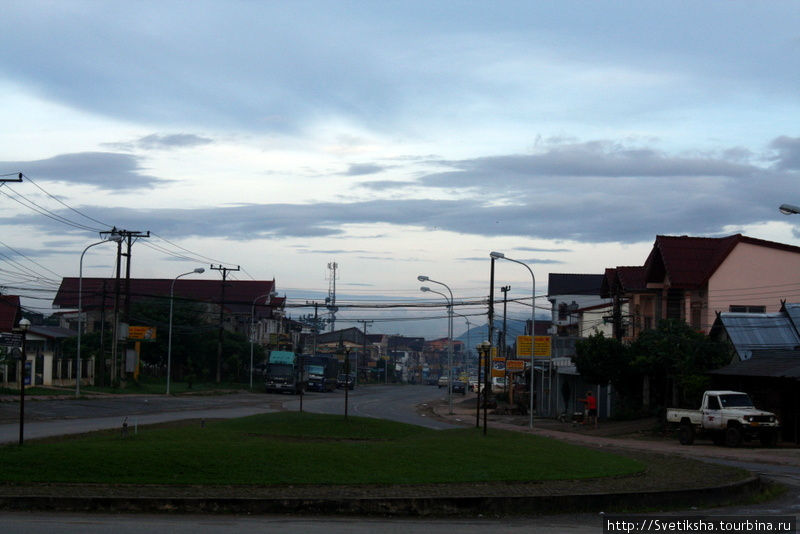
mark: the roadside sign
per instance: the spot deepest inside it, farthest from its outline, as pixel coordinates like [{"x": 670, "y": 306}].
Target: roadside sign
[
  {"x": 142, "y": 333},
  {"x": 515, "y": 365},
  {"x": 10, "y": 340},
  {"x": 524, "y": 347},
  {"x": 498, "y": 367},
  {"x": 542, "y": 346}
]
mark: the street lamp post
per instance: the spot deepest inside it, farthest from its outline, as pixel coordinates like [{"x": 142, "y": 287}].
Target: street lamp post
[
  {"x": 500, "y": 255},
  {"x": 269, "y": 296},
  {"x": 24, "y": 325},
  {"x": 198, "y": 270},
  {"x": 423, "y": 278},
  {"x": 117, "y": 239}
]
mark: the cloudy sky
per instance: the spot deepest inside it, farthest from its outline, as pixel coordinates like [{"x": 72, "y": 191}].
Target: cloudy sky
[{"x": 396, "y": 138}]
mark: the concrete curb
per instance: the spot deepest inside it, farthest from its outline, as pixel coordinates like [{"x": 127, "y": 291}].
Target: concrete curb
[{"x": 422, "y": 506}]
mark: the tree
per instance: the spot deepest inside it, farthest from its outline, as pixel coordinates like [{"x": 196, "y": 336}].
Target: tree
[
  {"x": 675, "y": 360},
  {"x": 603, "y": 360}
]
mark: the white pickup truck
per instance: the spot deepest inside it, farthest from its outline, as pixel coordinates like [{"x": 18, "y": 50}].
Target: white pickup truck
[{"x": 728, "y": 417}]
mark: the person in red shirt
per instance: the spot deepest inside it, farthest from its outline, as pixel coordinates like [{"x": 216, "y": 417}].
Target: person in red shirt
[{"x": 591, "y": 408}]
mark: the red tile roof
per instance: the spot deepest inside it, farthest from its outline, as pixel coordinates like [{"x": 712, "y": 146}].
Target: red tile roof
[
  {"x": 689, "y": 262},
  {"x": 239, "y": 295}
]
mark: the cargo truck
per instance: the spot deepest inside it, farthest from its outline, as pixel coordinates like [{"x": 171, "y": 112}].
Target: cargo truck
[
  {"x": 322, "y": 372},
  {"x": 285, "y": 372}
]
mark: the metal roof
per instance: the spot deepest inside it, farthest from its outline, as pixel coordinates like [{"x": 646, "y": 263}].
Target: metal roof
[
  {"x": 756, "y": 331},
  {"x": 765, "y": 363}
]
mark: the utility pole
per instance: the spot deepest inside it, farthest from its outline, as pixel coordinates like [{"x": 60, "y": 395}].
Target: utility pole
[
  {"x": 505, "y": 290},
  {"x": 128, "y": 236},
  {"x": 358, "y": 363},
  {"x": 225, "y": 271},
  {"x": 486, "y": 365}
]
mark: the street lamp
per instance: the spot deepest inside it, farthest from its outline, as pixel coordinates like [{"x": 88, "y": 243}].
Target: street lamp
[
  {"x": 423, "y": 278},
  {"x": 269, "y": 296},
  {"x": 198, "y": 270},
  {"x": 24, "y": 325},
  {"x": 115, "y": 238},
  {"x": 788, "y": 209},
  {"x": 501, "y": 256}
]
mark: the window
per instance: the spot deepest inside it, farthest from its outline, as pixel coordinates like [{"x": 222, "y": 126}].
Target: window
[
  {"x": 713, "y": 403},
  {"x": 748, "y": 309}
]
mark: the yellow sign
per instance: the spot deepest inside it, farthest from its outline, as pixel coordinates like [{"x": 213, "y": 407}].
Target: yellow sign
[
  {"x": 515, "y": 365},
  {"x": 542, "y": 346},
  {"x": 145, "y": 333},
  {"x": 524, "y": 346}
]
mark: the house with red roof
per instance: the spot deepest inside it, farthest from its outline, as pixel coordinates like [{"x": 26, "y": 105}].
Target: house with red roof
[{"x": 692, "y": 278}]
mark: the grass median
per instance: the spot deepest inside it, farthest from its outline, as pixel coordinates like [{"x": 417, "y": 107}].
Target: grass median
[{"x": 303, "y": 448}]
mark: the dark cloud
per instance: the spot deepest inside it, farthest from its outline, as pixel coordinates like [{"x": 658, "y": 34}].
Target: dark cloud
[
  {"x": 362, "y": 169},
  {"x": 630, "y": 196},
  {"x": 104, "y": 170},
  {"x": 386, "y": 185},
  {"x": 788, "y": 149},
  {"x": 586, "y": 160},
  {"x": 532, "y": 249},
  {"x": 529, "y": 260}
]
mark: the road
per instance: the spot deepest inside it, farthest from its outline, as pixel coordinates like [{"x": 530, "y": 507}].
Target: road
[
  {"x": 397, "y": 403},
  {"x": 382, "y": 402}
]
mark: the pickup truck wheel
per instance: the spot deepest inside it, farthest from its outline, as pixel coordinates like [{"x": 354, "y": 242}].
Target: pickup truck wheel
[
  {"x": 686, "y": 434},
  {"x": 733, "y": 436},
  {"x": 769, "y": 439}
]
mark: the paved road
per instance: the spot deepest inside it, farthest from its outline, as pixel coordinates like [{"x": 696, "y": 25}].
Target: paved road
[
  {"x": 45, "y": 418},
  {"x": 382, "y": 402},
  {"x": 48, "y": 417}
]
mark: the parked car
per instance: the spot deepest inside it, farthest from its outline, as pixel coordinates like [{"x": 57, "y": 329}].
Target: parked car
[
  {"x": 443, "y": 380},
  {"x": 728, "y": 417},
  {"x": 345, "y": 380},
  {"x": 459, "y": 387}
]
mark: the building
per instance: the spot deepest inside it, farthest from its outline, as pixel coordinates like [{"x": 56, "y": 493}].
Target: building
[
  {"x": 250, "y": 308},
  {"x": 569, "y": 293}
]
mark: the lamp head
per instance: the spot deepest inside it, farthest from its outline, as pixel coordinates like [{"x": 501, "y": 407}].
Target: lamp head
[
  {"x": 199, "y": 270},
  {"x": 423, "y": 278},
  {"x": 788, "y": 209},
  {"x": 24, "y": 324},
  {"x": 497, "y": 255},
  {"x": 424, "y": 289}
]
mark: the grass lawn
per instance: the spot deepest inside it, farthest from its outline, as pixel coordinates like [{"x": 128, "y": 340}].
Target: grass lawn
[{"x": 304, "y": 448}]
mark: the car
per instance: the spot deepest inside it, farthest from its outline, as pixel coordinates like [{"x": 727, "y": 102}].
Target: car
[
  {"x": 344, "y": 380},
  {"x": 443, "y": 380},
  {"x": 459, "y": 387}
]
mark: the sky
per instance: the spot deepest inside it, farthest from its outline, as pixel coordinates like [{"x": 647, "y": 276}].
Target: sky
[{"x": 395, "y": 138}]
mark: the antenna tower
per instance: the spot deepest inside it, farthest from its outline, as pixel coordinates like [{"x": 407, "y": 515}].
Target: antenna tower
[{"x": 330, "y": 300}]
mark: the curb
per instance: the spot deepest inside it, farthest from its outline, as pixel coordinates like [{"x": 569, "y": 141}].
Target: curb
[{"x": 421, "y": 506}]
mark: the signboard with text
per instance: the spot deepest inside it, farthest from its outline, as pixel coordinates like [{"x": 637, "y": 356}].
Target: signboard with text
[
  {"x": 515, "y": 365},
  {"x": 142, "y": 333},
  {"x": 542, "y": 346},
  {"x": 524, "y": 347},
  {"x": 10, "y": 340}
]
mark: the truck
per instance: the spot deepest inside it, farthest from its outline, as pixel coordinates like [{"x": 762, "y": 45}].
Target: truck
[
  {"x": 322, "y": 372},
  {"x": 728, "y": 417},
  {"x": 284, "y": 372}
]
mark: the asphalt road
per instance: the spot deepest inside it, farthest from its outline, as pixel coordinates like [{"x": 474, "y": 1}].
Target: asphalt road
[
  {"x": 396, "y": 403},
  {"x": 49, "y": 417}
]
